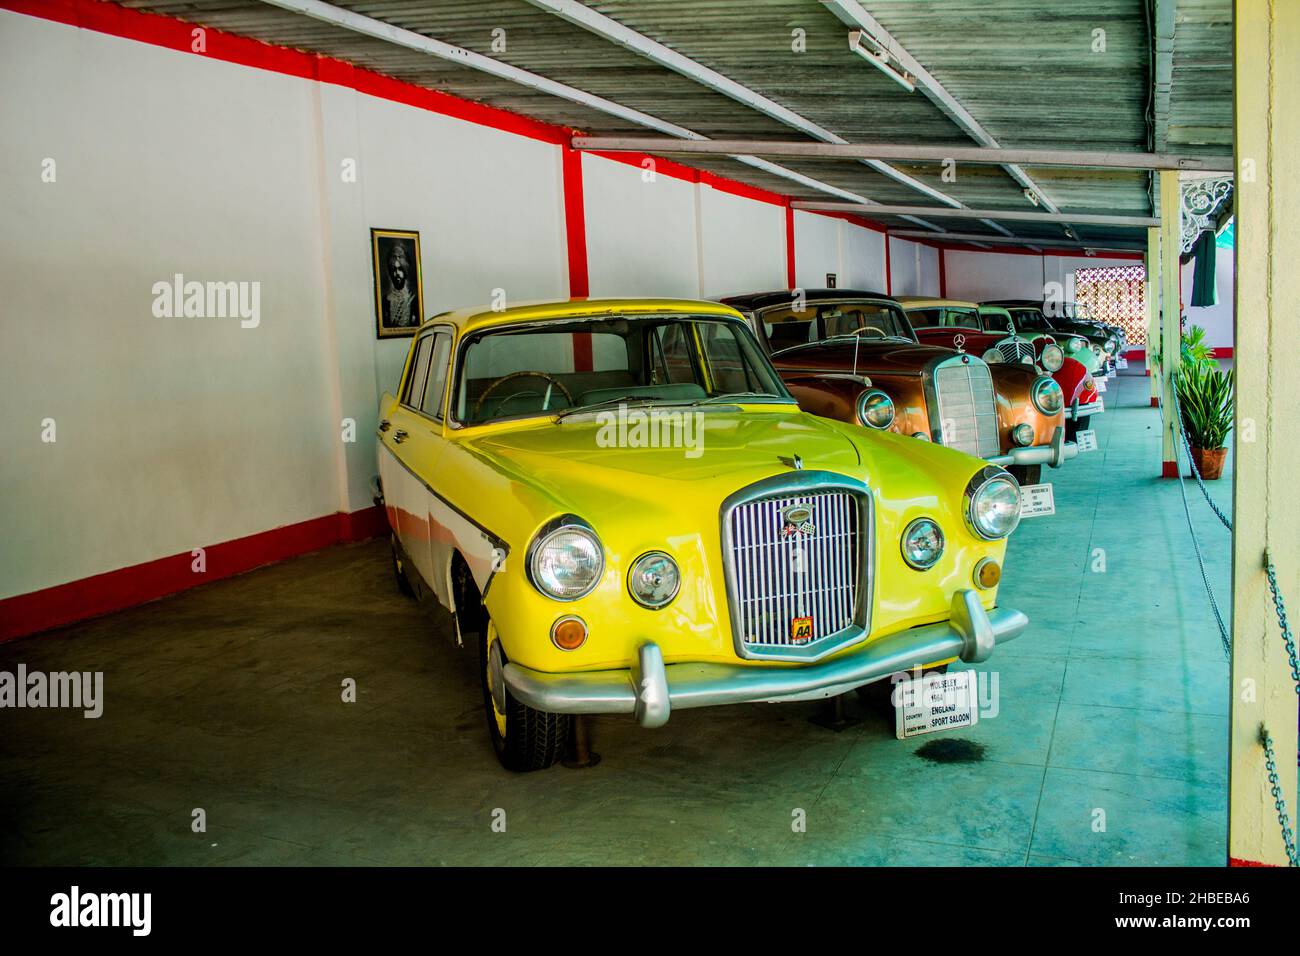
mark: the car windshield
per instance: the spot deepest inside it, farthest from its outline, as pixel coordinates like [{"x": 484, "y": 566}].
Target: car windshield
[
  {"x": 559, "y": 365},
  {"x": 996, "y": 321},
  {"x": 787, "y": 326},
  {"x": 1031, "y": 320}
]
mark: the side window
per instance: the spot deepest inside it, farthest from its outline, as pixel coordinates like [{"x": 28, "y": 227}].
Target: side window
[
  {"x": 672, "y": 355},
  {"x": 926, "y": 318},
  {"x": 419, "y": 372},
  {"x": 996, "y": 323},
  {"x": 435, "y": 385}
]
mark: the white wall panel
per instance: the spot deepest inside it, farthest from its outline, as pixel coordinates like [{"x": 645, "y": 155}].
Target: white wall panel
[
  {"x": 641, "y": 235},
  {"x": 980, "y": 276},
  {"x": 742, "y": 244}
]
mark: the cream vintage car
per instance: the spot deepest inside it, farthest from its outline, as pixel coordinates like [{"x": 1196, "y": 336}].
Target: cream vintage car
[{"x": 628, "y": 513}]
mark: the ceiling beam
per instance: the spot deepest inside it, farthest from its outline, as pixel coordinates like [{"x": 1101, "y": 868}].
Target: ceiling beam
[
  {"x": 581, "y": 15},
  {"x": 1071, "y": 158},
  {"x": 995, "y": 214},
  {"x": 976, "y": 237},
  {"x": 853, "y": 14},
  {"x": 1162, "y": 70},
  {"x": 421, "y": 43}
]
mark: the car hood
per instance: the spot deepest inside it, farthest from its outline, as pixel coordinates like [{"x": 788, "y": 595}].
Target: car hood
[
  {"x": 885, "y": 358},
  {"x": 582, "y": 460}
]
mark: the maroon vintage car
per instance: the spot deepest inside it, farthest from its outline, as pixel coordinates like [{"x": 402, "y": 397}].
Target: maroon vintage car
[{"x": 852, "y": 355}]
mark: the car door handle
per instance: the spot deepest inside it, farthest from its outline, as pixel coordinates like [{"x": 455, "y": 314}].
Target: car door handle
[
  {"x": 385, "y": 424},
  {"x": 399, "y": 436}
]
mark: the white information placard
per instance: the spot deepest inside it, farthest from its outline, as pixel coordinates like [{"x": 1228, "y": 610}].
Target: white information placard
[
  {"x": 935, "y": 702},
  {"x": 1037, "y": 500},
  {"x": 1086, "y": 440}
]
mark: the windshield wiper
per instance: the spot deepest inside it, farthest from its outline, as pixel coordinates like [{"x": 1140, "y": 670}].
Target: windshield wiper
[
  {"x": 621, "y": 400},
  {"x": 732, "y": 396}
]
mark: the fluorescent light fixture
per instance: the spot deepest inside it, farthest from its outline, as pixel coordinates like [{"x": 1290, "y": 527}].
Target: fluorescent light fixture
[
  {"x": 866, "y": 47},
  {"x": 1031, "y": 196}
]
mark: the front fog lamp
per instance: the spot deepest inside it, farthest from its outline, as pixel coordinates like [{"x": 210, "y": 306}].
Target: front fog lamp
[
  {"x": 922, "y": 544},
  {"x": 1110, "y": 346},
  {"x": 876, "y": 409},
  {"x": 1052, "y": 358},
  {"x": 1077, "y": 343},
  {"x": 987, "y": 574},
  {"x": 992, "y": 356},
  {"x": 654, "y": 580},
  {"x": 1048, "y": 397},
  {"x": 566, "y": 563},
  {"x": 992, "y": 504},
  {"x": 1023, "y": 434}
]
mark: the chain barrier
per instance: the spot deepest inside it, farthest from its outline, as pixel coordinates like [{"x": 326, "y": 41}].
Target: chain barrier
[
  {"x": 1275, "y": 788},
  {"x": 1196, "y": 473},
  {"x": 1287, "y": 637},
  {"x": 1224, "y": 638}
]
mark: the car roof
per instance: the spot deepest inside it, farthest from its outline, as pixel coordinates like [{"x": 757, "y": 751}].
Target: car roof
[
  {"x": 763, "y": 300},
  {"x": 987, "y": 307},
  {"x": 1015, "y": 303},
  {"x": 479, "y": 317},
  {"x": 928, "y": 302}
]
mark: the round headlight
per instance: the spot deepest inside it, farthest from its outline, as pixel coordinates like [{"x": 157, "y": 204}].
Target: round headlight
[
  {"x": 654, "y": 580},
  {"x": 921, "y": 435},
  {"x": 1047, "y": 395},
  {"x": 1052, "y": 358},
  {"x": 991, "y": 356},
  {"x": 876, "y": 409},
  {"x": 1077, "y": 343},
  {"x": 1023, "y": 434},
  {"x": 993, "y": 504},
  {"x": 922, "y": 543},
  {"x": 1111, "y": 346},
  {"x": 567, "y": 562}
]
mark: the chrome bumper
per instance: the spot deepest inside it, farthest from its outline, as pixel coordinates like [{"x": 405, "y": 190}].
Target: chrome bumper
[
  {"x": 1054, "y": 454},
  {"x": 1077, "y": 411},
  {"x": 652, "y": 689}
]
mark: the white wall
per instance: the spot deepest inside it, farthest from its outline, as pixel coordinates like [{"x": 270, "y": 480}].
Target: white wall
[
  {"x": 742, "y": 243},
  {"x": 827, "y": 244},
  {"x": 915, "y": 268},
  {"x": 176, "y": 433},
  {"x": 1215, "y": 319},
  {"x": 979, "y": 276}
]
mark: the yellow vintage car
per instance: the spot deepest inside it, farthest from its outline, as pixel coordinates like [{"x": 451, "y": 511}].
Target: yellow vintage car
[{"x": 628, "y": 514}]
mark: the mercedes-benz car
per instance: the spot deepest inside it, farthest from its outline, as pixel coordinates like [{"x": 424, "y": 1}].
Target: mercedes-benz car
[
  {"x": 852, "y": 355},
  {"x": 628, "y": 513}
]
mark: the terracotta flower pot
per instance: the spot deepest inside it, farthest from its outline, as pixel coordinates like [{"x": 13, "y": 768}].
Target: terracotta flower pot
[{"x": 1209, "y": 462}]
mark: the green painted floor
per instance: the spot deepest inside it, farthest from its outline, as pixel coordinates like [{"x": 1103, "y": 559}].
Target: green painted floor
[{"x": 1110, "y": 746}]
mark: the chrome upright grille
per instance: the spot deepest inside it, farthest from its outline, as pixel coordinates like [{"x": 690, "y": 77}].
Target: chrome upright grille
[
  {"x": 1017, "y": 351},
  {"x": 968, "y": 418},
  {"x": 784, "y": 571}
]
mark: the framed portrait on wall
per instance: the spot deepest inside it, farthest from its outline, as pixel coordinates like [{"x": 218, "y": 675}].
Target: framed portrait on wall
[{"x": 399, "y": 288}]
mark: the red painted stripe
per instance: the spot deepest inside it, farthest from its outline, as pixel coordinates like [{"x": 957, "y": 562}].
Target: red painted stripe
[
  {"x": 1139, "y": 355},
  {"x": 126, "y": 587},
  {"x": 789, "y": 246},
  {"x": 1234, "y": 861},
  {"x": 575, "y": 224},
  {"x": 889, "y": 271},
  {"x": 179, "y": 35},
  {"x": 1169, "y": 469}
]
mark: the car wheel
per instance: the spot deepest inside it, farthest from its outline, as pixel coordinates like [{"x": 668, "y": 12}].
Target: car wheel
[
  {"x": 524, "y": 739},
  {"x": 403, "y": 582},
  {"x": 1027, "y": 474}
]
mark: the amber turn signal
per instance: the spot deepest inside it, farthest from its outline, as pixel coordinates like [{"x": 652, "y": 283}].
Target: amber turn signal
[
  {"x": 569, "y": 633},
  {"x": 988, "y": 573}
]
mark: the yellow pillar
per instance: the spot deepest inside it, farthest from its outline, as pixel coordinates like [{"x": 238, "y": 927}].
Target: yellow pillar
[
  {"x": 1266, "y": 454},
  {"x": 1152, "y": 295},
  {"x": 1171, "y": 220}
]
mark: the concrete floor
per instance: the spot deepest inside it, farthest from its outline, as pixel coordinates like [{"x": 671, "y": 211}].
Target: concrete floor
[{"x": 1110, "y": 746}]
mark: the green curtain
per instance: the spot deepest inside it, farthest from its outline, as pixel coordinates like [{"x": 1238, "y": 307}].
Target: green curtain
[{"x": 1204, "y": 289}]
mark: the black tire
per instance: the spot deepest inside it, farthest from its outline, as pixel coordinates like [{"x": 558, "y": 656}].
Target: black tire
[
  {"x": 1073, "y": 427},
  {"x": 533, "y": 739},
  {"x": 403, "y": 582},
  {"x": 1027, "y": 474}
]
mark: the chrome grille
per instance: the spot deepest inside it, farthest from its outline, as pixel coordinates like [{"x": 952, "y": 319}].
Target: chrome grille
[
  {"x": 1017, "y": 351},
  {"x": 778, "y": 576},
  {"x": 968, "y": 418}
]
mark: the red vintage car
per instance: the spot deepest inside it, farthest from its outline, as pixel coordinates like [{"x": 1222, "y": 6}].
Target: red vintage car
[{"x": 955, "y": 324}]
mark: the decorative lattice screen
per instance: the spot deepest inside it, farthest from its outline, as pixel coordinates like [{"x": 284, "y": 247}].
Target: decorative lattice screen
[{"x": 1117, "y": 296}]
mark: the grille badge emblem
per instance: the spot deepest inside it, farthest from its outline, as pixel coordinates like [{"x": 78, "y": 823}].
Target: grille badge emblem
[
  {"x": 959, "y": 341},
  {"x": 796, "y": 519},
  {"x": 801, "y": 630}
]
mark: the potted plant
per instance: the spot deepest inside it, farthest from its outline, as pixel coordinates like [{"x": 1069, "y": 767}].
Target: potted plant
[
  {"x": 1196, "y": 349},
  {"x": 1205, "y": 397}
]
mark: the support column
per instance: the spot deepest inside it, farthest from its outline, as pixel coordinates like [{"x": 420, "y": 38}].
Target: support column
[
  {"x": 1151, "y": 294},
  {"x": 1171, "y": 221},
  {"x": 1266, "y": 454}
]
